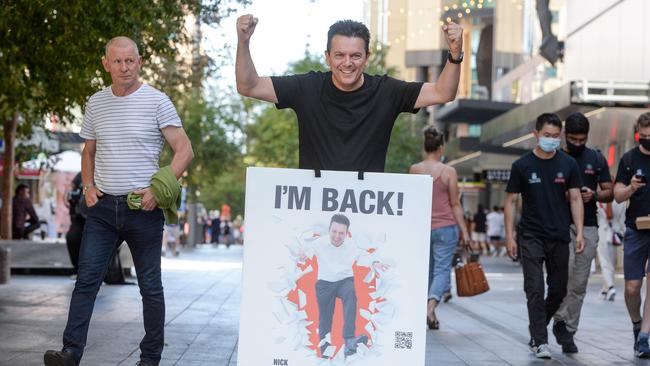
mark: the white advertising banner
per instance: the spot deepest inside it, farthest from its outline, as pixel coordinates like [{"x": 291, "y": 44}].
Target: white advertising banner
[{"x": 335, "y": 268}]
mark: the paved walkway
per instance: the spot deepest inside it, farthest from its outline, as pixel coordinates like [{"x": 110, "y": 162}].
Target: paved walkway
[{"x": 202, "y": 289}]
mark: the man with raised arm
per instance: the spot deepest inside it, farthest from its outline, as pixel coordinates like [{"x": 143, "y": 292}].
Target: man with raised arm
[{"x": 345, "y": 116}]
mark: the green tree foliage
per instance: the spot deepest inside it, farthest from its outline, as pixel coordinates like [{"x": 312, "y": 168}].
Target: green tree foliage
[
  {"x": 228, "y": 188},
  {"x": 211, "y": 128},
  {"x": 272, "y": 139},
  {"x": 405, "y": 146},
  {"x": 50, "y": 56},
  {"x": 50, "y": 49}
]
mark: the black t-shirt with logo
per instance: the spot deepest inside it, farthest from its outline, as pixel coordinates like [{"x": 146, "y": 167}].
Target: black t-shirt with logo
[
  {"x": 593, "y": 171},
  {"x": 340, "y": 130},
  {"x": 543, "y": 184},
  {"x": 634, "y": 162}
]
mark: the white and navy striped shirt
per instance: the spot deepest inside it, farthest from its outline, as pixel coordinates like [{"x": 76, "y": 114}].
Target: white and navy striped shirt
[{"x": 128, "y": 134}]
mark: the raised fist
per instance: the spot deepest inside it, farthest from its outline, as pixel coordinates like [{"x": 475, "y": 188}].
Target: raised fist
[
  {"x": 454, "y": 36},
  {"x": 245, "y": 27}
]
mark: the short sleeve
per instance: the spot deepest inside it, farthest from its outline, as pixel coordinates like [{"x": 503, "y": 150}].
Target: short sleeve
[
  {"x": 88, "y": 124},
  {"x": 515, "y": 182},
  {"x": 287, "y": 90},
  {"x": 624, "y": 173},
  {"x": 575, "y": 181},
  {"x": 604, "y": 174},
  {"x": 405, "y": 94},
  {"x": 166, "y": 114}
]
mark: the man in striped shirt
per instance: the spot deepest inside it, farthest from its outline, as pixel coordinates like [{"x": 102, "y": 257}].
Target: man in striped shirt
[{"x": 125, "y": 127}]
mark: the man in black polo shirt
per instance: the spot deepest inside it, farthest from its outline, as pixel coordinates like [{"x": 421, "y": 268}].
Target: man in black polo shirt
[
  {"x": 594, "y": 172},
  {"x": 544, "y": 176},
  {"x": 631, "y": 180},
  {"x": 345, "y": 116}
]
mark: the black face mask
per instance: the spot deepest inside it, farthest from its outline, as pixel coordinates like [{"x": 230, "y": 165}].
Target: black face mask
[
  {"x": 645, "y": 143},
  {"x": 575, "y": 150}
]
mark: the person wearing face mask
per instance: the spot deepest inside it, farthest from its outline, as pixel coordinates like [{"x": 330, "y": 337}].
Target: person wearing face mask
[
  {"x": 594, "y": 172},
  {"x": 631, "y": 180},
  {"x": 544, "y": 177},
  {"x": 345, "y": 116}
]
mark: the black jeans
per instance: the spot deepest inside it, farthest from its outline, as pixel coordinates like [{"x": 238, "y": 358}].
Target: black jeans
[
  {"x": 326, "y": 294},
  {"x": 109, "y": 223},
  {"x": 535, "y": 252}
]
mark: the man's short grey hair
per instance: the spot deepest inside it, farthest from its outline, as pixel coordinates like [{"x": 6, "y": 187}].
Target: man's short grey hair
[{"x": 120, "y": 41}]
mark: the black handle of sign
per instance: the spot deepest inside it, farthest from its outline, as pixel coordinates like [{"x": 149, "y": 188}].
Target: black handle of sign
[
  {"x": 360, "y": 175},
  {"x": 317, "y": 173}
]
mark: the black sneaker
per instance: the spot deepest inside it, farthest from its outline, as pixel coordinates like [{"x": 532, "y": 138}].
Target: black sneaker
[
  {"x": 562, "y": 335},
  {"x": 569, "y": 347},
  {"x": 59, "y": 358},
  {"x": 145, "y": 363}
]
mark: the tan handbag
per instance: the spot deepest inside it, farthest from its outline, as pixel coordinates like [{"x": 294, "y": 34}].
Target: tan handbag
[{"x": 470, "y": 278}]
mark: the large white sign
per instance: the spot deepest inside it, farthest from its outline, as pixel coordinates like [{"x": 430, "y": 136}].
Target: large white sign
[{"x": 335, "y": 268}]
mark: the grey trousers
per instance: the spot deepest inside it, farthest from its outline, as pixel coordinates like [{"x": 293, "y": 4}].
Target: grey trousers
[
  {"x": 579, "y": 270},
  {"x": 326, "y": 295}
]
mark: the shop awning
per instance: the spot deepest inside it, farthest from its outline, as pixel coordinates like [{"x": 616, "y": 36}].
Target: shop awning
[{"x": 476, "y": 111}]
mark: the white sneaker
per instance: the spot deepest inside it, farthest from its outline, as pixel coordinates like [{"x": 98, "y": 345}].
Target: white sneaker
[
  {"x": 542, "y": 351},
  {"x": 611, "y": 293}
]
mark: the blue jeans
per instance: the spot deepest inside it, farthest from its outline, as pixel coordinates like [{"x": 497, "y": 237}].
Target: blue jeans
[
  {"x": 109, "y": 223},
  {"x": 443, "y": 246}
]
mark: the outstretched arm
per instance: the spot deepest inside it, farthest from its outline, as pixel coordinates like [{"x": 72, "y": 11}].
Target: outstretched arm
[
  {"x": 250, "y": 84},
  {"x": 444, "y": 90}
]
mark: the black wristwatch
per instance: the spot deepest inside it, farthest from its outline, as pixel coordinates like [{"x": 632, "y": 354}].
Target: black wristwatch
[{"x": 457, "y": 61}]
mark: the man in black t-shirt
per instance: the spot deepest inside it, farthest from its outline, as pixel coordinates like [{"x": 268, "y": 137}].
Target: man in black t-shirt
[
  {"x": 345, "y": 116},
  {"x": 594, "y": 172},
  {"x": 543, "y": 177},
  {"x": 631, "y": 180}
]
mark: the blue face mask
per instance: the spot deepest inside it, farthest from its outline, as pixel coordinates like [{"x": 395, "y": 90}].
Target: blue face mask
[{"x": 549, "y": 144}]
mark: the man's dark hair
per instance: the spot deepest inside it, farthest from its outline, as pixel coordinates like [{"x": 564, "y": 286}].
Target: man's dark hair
[
  {"x": 643, "y": 121},
  {"x": 340, "y": 219},
  {"x": 495, "y": 208},
  {"x": 349, "y": 28},
  {"x": 433, "y": 139},
  {"x": 548, "y": 119},
  {"x": 576, "y": 123},
  {"x": 20, "y": 188}
]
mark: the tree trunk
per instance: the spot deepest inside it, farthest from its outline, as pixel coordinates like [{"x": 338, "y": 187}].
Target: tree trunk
[{"x": 9, "y": 125}]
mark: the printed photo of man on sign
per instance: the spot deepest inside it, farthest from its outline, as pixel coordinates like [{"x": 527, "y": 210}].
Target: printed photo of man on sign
[{"x": 336, "y": 259}]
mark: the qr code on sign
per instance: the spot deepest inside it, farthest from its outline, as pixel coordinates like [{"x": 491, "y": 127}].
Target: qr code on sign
[{"x": 403, "y": 340}]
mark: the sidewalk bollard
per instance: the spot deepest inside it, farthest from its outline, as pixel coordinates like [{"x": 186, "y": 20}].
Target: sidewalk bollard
[{"x": 5, "y": 265}]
